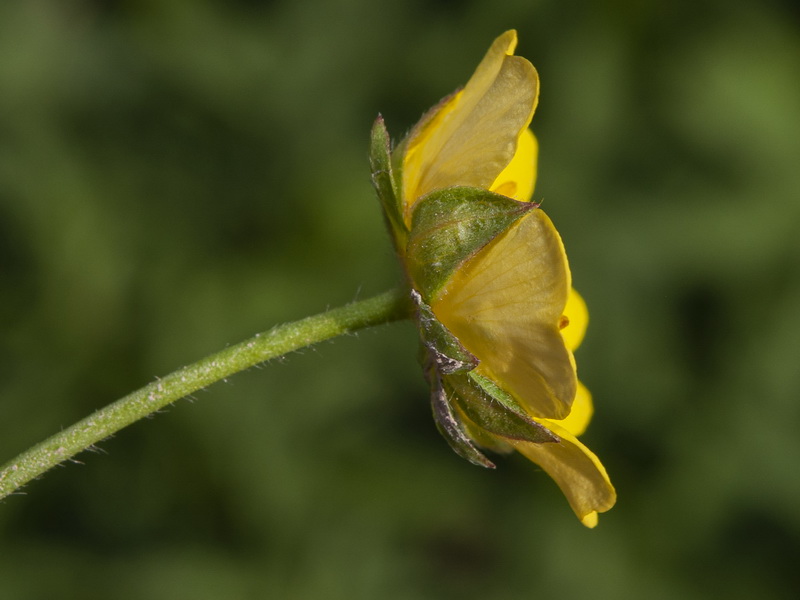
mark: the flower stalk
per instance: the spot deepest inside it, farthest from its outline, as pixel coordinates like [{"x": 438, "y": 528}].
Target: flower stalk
[{"x": 384, "y": 308}]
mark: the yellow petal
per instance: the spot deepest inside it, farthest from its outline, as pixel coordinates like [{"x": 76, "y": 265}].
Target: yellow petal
[
  {"x": 576, "y": 470},
  {"x": 519, "y": 178},
  {"x": 504, "y": 305},
  {"x": 578, "y": 419},
  {"x": 577, "y": 318},
  {"x": 473, "y": 136}
]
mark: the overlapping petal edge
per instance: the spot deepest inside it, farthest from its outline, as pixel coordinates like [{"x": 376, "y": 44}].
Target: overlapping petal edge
[{"x": 498, "y": 316}]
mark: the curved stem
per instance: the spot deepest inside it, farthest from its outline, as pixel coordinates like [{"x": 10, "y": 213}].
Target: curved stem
[{"x": 387, "y": 307}]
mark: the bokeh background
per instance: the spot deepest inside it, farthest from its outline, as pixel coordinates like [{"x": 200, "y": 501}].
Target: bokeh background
[{"x": 176, "y": 176}]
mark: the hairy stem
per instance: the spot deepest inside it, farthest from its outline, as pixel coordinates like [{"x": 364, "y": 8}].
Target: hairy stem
[{"x": 387, "y": 307}]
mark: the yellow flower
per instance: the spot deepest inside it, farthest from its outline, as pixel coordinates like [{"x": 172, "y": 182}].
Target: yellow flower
[
  {"x": 471, "y": 138},
  {"x": 498, "y": 317}
]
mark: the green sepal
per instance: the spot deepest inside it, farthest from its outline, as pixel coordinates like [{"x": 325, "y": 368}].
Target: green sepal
[
  {"x": 494, "y": 410},
  {"x": 449, "y": 226},
  {"x": 443, "y": 348},
  {"x": 385, "y": 182},
  {"x": 482, "y": 438},
  {"x": 449, "y": 426}
]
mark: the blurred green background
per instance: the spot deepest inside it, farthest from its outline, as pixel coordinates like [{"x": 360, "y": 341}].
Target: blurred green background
[{"x": 176, "y": 176}]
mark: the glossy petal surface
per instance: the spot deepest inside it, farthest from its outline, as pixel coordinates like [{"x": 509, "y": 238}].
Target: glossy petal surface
[
  {"x": 518, "y": 179},
  {"x": 577, "y": 320},
  {"x": 579, "y": 417}
]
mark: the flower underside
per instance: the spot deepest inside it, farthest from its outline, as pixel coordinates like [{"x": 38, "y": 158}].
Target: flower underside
[{"x": 498, "y": 317}]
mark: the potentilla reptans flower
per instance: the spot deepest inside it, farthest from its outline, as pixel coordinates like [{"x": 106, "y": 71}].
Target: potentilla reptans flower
[{"x": 497, "y": 314}]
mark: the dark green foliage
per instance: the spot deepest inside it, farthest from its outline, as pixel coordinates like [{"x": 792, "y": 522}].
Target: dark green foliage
[{"x": 175, "y": 176}]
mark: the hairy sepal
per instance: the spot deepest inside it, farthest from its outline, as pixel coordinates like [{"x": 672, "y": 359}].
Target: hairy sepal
[
  {"x": 443, "y": 349},
  {"x": 385, "y": 182},
  {"x": 449, "y": 425},
  {"x": 495, "y": 411},
  {"x": 449, "y": 226}
]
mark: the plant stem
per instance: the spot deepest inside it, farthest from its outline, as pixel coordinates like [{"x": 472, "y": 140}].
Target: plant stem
[{"x": 387, "y": 307}]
